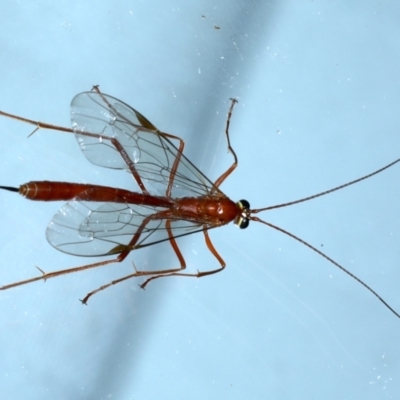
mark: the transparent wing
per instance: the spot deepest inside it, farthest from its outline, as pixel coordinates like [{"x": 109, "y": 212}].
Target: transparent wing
[
  {"x": 93, "y": 228},
  {"x": 86, "y": 228},
  {"x": 151, "y": 151}
]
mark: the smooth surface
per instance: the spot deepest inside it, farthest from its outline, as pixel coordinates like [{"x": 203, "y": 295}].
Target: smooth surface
[{"x": 318, "y": 89}]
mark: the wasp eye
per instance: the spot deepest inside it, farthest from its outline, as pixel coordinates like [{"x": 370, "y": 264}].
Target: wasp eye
[
  {"x": 244, "y": 204},
  {"x": 243, "y": 223},
  {"x": 242, "y": 220}
]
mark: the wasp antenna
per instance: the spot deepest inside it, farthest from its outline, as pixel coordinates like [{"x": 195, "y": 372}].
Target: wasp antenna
[
  {"x": 290, "y": 203},
  {"x": 346, "y": 271}
]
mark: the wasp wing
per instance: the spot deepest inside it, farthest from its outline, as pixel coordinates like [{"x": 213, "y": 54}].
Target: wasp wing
[
  {"x": 87, "y": 228},
  {"x": 151, "y": 151},
  {"x": 93, "y": 228}
]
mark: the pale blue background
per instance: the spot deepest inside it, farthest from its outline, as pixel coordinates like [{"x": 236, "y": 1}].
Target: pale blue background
[{"x": 319, "y": 90}]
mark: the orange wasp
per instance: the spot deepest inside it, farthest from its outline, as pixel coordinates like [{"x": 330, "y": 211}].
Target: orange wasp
[{"x": 175, "y": 198}]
